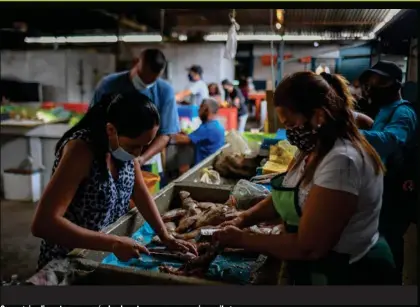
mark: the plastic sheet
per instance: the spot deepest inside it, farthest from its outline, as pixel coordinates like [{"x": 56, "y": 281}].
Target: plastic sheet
[{"x": 234, "y": 268}]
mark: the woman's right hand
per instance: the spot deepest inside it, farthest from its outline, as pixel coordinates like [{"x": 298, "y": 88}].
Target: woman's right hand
[
  {"x": 238, "y": 222},
  {"x": 126, "y": 249}
]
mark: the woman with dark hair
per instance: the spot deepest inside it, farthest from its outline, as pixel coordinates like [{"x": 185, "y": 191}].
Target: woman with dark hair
[
  {"x": 342, "y": 88},
  {"x": 214, "y": 92},
  {"x": 330, "y": 198},
  {"x": 95, "y": 174}
]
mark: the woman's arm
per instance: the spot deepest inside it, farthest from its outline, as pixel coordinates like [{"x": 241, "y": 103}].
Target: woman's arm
[
  {"x": 262, "y": 212},
  {"x": 146, "y": 205},
  {"x": 326, "y": 214},
  {"x": 49, "y": 222},
  {"x": 363, "y": 121},
  {"x": 330, "y": 204},
  {"x": 148, "y": 209}
]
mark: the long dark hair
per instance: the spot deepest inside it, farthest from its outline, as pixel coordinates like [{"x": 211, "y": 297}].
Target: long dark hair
[
  {"x": 131, "y": 113},
  {"x": 341, "y": 87},
  {"x": 303, "y": 93}
]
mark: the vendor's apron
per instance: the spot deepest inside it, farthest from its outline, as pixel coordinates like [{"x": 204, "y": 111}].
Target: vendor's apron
[{"x": 334, "y": 269}]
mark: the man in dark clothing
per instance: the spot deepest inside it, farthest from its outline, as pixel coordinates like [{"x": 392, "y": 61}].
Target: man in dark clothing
[
  {"x": 234, "y": 96},
  {"x": 393, "y": 137}
]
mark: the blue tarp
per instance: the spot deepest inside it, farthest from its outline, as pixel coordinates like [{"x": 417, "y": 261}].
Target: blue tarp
[{"x": 234, "y": 268}]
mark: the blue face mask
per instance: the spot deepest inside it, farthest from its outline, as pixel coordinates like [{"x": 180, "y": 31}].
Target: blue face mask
[
  {"x": 122, "y": 155},
  {"x": 140, "y": 85}
]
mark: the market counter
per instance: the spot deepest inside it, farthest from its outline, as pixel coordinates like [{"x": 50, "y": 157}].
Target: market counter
[{"x": 90, "y": 268}]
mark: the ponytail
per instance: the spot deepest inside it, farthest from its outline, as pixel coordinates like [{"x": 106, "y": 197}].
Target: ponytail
[{"x": 341, "y": 87}]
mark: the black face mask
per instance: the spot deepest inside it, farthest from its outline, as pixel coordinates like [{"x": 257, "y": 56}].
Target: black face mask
[
  {"x": 303, "y": 137},
  {"x": 190, "y": 77},
  {"x": 382, "y": 95}
]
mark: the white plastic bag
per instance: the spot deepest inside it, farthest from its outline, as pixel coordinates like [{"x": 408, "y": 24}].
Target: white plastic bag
[
  {"x": 210, "y": 176},
  {"x": 232, "y": 41},
  {"x": 238, "y": 144}
]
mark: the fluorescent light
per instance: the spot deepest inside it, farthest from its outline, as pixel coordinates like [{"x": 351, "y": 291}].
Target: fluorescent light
[
  {"x": 141, "y": 38},
  {"x": 222, "y": 37},
  {"x": 89, "y": 39},
  {"x": 182, "y": 37},
  {"x": 391, "y": 14},
  {"x": 45, "y": 40}
]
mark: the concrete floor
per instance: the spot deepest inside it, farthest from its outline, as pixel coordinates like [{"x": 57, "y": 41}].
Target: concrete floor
[{"x": 19, "y": 249}]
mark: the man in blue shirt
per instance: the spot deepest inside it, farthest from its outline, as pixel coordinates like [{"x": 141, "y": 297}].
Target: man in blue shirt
[
  {"x": 393, "y": 137},
  {"x": 145, "y": 77},
  {"x": 209, "y": 137}
]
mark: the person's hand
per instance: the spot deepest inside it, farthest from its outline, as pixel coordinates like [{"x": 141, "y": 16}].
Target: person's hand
[
  {"x": 126, "y": 249},
  {"x": 175, "y": 244},
  {"x": 235, "y": 222},
  {"x": 229, "y": 236},
  {"x": 141, "y": 160}
]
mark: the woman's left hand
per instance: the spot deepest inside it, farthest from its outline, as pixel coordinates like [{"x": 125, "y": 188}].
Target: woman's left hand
[
  {"x": 229, "y": 236},
  {"x": 181, "y": 245}
]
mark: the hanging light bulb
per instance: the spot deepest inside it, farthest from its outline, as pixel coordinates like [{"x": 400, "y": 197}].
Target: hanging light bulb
[{"x": 280, "y": 16}]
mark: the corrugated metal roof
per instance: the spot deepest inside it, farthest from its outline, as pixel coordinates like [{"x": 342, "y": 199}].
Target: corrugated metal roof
[{"x": 295, "y": 20}]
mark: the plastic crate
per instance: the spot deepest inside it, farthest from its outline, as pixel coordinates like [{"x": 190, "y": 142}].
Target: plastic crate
[
  {"x": 188, "y": 111},
  {"x": 228, "y": 117}
]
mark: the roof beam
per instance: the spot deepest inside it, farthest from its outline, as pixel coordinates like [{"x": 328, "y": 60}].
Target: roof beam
[{"x": 123, "y": 21}]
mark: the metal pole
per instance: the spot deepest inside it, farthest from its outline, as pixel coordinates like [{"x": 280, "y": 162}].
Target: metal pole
[
  {"x": 117, "y": 44},
  {"x": 280, "y": 62}
]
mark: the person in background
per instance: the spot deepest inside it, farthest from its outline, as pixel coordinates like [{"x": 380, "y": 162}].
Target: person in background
[
  {"x": 95, "y": 175},
  {"x": 145, "y": 78},
  {"x": 208, "y": 138},
  {"x": 214, "y": 92},
  {"x": 330, "y": 198},
  {"x": 197, "y": 90},
  {"x": 356, "y": 90},
  {"x": 393, "y": 137},
  {"x": 233, "y": 95},
  {"x": 342, "y": 88},
  {"x": 250, "y": 82}
]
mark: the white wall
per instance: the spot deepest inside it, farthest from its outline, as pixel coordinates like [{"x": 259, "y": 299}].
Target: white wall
[
  {"x": 182, "y": 56},
  {"x": 58, "y": 71},
  {"x": 328, "y": 53}
]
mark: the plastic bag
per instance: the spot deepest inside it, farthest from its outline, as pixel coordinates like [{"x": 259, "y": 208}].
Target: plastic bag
[
  {"x": 246, "y": 194},
  {"x": 282, "y": 153},
  {"x": 232, "y": 41},
  {"x": 210, "y": 176},
  {"x": 238, "y": 144}
]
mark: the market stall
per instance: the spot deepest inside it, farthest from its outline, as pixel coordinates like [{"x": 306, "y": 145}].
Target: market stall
[{"x": 224, "y": 266}]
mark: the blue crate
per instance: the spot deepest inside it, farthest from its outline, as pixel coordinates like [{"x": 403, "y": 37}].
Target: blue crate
[
  {"x": 280, "y": 136},
  {"x": 188, "y": 111}
]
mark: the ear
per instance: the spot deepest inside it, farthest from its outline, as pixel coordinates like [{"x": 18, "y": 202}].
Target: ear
[
  {"x": 110, "y": 130},
  {"x": 319, "y": 118}
]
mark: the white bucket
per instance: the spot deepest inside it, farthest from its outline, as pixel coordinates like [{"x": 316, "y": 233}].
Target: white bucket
[{"x": 22, "y": 186}]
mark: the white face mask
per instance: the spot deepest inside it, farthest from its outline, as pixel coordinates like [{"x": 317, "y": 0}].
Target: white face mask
[
  {"x": 122, "y": 155},
  {"x": 139, "y": 84}
]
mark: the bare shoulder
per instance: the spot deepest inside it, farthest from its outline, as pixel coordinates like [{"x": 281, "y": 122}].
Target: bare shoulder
[{"x": 77, "y": 152}]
